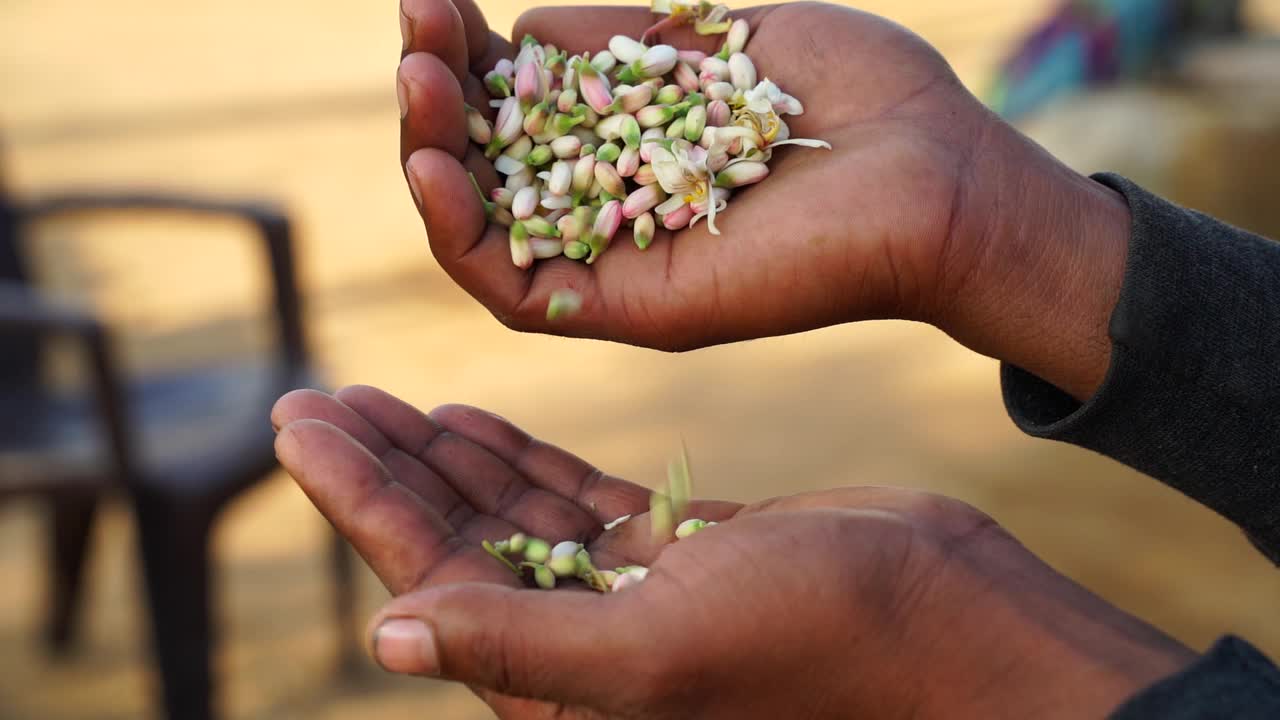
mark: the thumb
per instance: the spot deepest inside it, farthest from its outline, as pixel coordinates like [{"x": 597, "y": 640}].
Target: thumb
[{"x": 564, "y": 646}]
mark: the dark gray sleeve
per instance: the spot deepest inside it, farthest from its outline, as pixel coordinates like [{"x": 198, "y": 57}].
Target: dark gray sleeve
[
  {"x": 1192, "y": 397},
  {"x": 1232, "y": 681}
]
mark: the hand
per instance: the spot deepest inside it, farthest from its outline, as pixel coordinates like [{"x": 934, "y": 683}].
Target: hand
[
  {"x": 928, "y": 208},
  {"x": 847, "y": 603}
]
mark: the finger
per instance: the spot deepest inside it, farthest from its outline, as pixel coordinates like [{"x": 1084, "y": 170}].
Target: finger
[
  {"x": 431, "y": 107},
  {"x": 403, "y": 467},
  {"x": 479, "y": 38},
  {"x": 487, "y": 482},
  {"x": 603, "y": 496},
  {"x": 573, "y": 648},
  {"x": 435, "y": 27},
  {"x": 476, "y": 256}
]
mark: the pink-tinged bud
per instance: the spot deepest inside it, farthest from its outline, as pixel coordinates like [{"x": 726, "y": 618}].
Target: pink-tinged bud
[
  {"x": 736, "y": 39},
  {"x": 608, "y": 220},
  {"x": 742, "y": 173},
  {"x": 643, "y": 230},
  {"x": 715, "y": 68},
  {"x": 686, "y": 78},
  {"x": 477, "y": 127},
  {"x": 625, "y": 49},
  {"x": 628, "y": 161},
  {"x": 528, "y": 83},
  {"x": 654, "y": 115},
  {"x": 505, "y": 68},
  {"x": 693, "y": 57},
  {"x": 570, "y": 228},
  {"x": 742, "y": 72},
  {"x": 722, "y": 91},
  {"x": 584, "y": 174},
  {"x": 502, "y": 196},
  {"x": 642, "y": 201},
  {"x": 634, "y": 98},
  {"x": 497, "y": 85},
  {"x": 536, "y": 119},
  {"x": 603, "y": 61},
  {"x": 566, "y": 146},
  {"x": 668, "y": 95},
  {"x": 545, "y": 248},
  {"x": 656, "y": 61},
  {"x": 678, "y": 219},
  {"x": 695, "y": 121},
  {"x": 609, "y": 179},
  {"x": 718, "y": 113},
  {"x": 525, "y": 203},
  {"x": 645, "y": 175},
  {"x": 561, "y": 178},
  {"x": 567, "y": 100},
  {"x": 521, "y": 252},
  {"x": 594, "y": 88},
  {"x": 507, "y": 128}
]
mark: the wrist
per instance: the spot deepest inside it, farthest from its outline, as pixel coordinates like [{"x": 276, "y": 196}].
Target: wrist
[{"x": 1047, "y": 254}]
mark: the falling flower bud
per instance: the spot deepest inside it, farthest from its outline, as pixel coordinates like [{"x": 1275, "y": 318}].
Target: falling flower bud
[
  {"x": 655, "y": 115},
  {"x": 695, "y": 121},
  {"x": 537, "y": 551},
  {"x": 736, "y": 39},
  {"x": 628, "y": 162},
  {"x": 566, "y": 147},
  {"x": 678, "y": 219},
  {"x": 742, "y": 72},
  {"x": 608, "y": 219},
  {"x": 643, "y": 200},
  {"x": 643, "y": 228},
  {"x": 625, "y": 49},
  {"x": 478, "y": 128},
  {"x": 661, "y": 516},
  {"x": 608, "y": 152},
  {"x": 593, "y": 86},
  {"x": 507, "y": 128},
  {"x": 525, "y": 203},
  {"x": 669, "y": 95},
  {"x": 561, "y": 178},
  {"x": 609, "y": 179},
  {"x": 718, "y": 113},
  {"x": 604, "y": 61},
  {"x": 540, "y": 155},
  {"x": 632, "y": 99},
  {"x": 714, "y": 69},
  {"x": 720, "y": 91},
  {"x": 535, "y": 120},
  {"x": 564, "y": 302},
  {"x": 521, "y": 253},
  {"x": 689, "y": 527},
  {"x": 742, "y": 173},
  {"x": 583, "y": 174},
  {"x": 505, "y": 68},
  {"x": 645, "y": 175},
  {"x": 576, "y": 250},
  {"x": 517, "y": 542},
  {"x": 611, "y": 127},
  {"x": 541, "y": 227},
  {"x": 566, "y": 101},
  {"x": 497, "y": 85},
  {"x": 544, "y": 577}
]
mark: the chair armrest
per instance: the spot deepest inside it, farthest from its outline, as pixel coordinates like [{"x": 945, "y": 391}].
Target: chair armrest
[
  {"x": 272, "y": 226},
  {"x": 24, "y": 309}
]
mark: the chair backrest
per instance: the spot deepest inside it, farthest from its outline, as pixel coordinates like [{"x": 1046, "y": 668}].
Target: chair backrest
[{"x": 19, "y": 350}]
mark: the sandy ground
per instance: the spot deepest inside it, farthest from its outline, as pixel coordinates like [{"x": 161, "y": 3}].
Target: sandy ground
[{"x": 297, "y": 105}]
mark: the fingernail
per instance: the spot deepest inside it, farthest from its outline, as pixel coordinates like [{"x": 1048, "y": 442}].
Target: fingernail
[
  {"x": 406, "y": 30},
  {"x": 413, "y": 185},
  {"x": 405, "y": 646},
  {"x": 402, "y": 97}
]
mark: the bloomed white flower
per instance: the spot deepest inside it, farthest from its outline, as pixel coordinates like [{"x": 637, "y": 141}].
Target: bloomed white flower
[
  {"x": 759, "y": 108},
  {"x": 682, "y": 172},
  {"x": 708, "y": 18}
]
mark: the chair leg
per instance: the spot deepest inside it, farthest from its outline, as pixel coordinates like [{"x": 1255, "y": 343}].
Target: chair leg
[
  {"x": 344, "y": 603},
  {"x": 69, "y": 530},
  {"x": 174, "y": 541}
]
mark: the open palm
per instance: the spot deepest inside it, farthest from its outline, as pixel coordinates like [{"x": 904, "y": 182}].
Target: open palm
[{"x": 873, "y": 228}]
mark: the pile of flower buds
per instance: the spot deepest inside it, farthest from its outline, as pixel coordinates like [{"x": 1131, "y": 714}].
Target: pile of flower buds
[
  {"x": 636, "y": 134},
  {"x": 569, "y": 559}
]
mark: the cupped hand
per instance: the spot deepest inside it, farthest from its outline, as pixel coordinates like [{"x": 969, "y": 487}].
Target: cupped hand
[
  {"x": 860, "y": 602},
  {"x": 876, "y": 227}
]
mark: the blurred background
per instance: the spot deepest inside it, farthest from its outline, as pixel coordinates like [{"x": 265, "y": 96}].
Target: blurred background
[{"x": 292, "y": 103}]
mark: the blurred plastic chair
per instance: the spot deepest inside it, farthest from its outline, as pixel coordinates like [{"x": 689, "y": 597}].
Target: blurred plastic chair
[{"x": 178, "y": 446}]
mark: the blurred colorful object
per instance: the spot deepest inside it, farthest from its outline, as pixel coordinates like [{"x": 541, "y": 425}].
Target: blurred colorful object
[{"x": 1095, "y": 42}]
